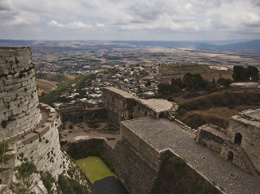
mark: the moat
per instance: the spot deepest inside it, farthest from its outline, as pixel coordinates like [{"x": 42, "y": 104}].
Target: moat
[{"x": 103, "y": 179}]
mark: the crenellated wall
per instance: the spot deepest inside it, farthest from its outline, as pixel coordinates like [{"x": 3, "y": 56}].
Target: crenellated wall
[{"x": 19, "y": 110}]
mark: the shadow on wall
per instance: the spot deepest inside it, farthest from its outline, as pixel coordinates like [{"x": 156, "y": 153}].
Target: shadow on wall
[{"x": 76, "y": 116}]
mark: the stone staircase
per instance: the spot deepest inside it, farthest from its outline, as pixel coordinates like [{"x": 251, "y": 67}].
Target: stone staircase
[
  {"x": 247, "y": 161},
  {"x": 249, "y": 167}
]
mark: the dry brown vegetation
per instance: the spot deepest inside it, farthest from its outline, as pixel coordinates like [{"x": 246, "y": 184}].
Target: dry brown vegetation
[
  {"x": 216, "y": 107},
  {"x": 44, "y": 85},
  {"x": 168, "y": 72}
]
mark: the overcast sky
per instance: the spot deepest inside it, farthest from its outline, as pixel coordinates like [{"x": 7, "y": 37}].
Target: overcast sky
[{"x": 130, "y": 19}]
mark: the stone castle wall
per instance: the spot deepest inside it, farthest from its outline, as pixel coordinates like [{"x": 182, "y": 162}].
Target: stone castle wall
[
  {"x": 208, "y": 135},
  {"x": 19, "y": 110},
  {"x": 77, "y": 114},
  {"x": 132, "y": 169},
  {"x": 42, "y": 146},
  {"x": 142, "y": 148},
  {"x": 116, "y": 106},
  {"x": 122, "y": 106},
  {"x": 250, "y": 133},
  {"x": 239, "y": 143},
  {"x": 30, "y": 128}
]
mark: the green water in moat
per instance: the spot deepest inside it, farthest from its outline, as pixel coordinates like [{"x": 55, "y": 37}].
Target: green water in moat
[{"x": 94, "y": 168}]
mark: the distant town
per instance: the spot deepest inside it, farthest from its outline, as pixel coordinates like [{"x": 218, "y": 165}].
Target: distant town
[{"x": 135, "y": 68}]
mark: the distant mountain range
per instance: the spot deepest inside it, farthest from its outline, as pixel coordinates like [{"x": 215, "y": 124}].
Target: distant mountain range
[
  {"x": 249, "y": 45},
  {"x": 253, "y": 45}
]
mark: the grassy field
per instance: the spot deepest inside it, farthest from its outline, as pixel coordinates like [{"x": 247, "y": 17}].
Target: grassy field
[{"x": 94, "y": 168}]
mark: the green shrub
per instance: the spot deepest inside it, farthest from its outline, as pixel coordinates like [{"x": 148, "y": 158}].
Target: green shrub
[{"x": 182, "y": 111}]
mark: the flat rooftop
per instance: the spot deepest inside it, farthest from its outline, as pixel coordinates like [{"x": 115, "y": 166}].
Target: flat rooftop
[
  {"x": 120, "y": 92},
  {"x": 162, "y": 134},
  {"x": 159, "y": 105},
  {"x": 251, "y": 117}
]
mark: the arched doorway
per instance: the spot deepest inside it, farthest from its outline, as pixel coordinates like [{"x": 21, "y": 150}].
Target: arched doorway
[
  {"x": 230, "y": 156},
  {"x": 238, "y": 139}
]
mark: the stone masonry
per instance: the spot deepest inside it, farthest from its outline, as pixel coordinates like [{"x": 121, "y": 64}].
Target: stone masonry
[
  {"x": 30, "y": 128},
  {"x": 121, "y": 106},
  {"x": 146, "y": 137},
  {"x": 244, "y": 132},
  {"x": 19, "y": 112},
  {"x": 239, "y": 143}
]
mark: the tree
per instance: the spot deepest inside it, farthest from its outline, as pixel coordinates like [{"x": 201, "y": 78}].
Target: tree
[
  {"x": 224, "y": 82},
  {"x": 252, "y": 73},
  {"x": 177, "y": 85},
  {"x": 195, "y": 82},
  {"x": 239, "y": 73},
  {"x": 244, "y": 74},
  {"x": 164, "y": 89}
]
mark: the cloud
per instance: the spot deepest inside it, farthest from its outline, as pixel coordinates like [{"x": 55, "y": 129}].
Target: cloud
[
  {"x": 54, "y": 23},
  {"x": 76, "y": 25},
  {"x": 4, "y": 5},
  {"x": 113, "y": 17}
]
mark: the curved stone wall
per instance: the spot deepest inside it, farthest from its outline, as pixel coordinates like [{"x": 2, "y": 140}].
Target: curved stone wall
[
  {"x": 19, "y": 110},
  {"x": 42, "y": 146}
]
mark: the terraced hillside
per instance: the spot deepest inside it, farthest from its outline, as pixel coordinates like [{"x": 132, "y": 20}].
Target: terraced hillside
[{"x": 216, "y": 107}]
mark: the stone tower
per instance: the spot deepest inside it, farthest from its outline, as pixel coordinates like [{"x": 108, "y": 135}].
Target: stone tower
[
  {"x": 29, "y": 127},
  {"x": 19, "y": 105}
]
